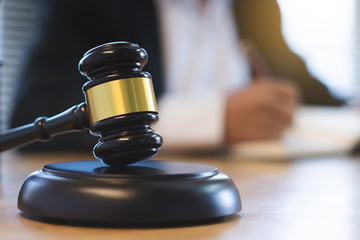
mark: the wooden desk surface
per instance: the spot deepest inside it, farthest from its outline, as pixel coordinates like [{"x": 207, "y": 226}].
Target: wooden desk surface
[{"x": 315, "y": 198}]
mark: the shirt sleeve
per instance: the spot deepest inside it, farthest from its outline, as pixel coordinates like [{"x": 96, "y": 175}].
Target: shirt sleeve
[{"x": 191, "y": 122}]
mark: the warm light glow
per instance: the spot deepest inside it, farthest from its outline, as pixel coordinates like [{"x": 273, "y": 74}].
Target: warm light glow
[{"x": 322, "y": 33}]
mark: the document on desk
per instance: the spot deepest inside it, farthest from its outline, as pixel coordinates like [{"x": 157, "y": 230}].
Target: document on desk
[{"x": 316, "y": 131}]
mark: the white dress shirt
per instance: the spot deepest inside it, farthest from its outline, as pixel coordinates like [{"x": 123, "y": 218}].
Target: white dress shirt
[{"x": 203, "y": 65}]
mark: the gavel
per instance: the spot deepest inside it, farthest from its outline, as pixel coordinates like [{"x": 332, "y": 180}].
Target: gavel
[{"x": 120, "y": 107}]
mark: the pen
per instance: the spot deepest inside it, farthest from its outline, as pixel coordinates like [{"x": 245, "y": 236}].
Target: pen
[{"x": 258, "y": 65}]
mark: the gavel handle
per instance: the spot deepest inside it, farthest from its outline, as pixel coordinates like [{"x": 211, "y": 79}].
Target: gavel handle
[{"x": 43, "y": 129}]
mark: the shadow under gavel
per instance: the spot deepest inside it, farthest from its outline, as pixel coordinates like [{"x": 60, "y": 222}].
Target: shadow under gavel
[{"x": 120, "y": 107}]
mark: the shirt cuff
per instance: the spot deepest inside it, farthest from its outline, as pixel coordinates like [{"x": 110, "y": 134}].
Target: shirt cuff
[{"x": 191, "y": 122}]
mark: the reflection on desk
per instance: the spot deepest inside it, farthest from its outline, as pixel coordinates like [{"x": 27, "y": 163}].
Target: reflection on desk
[{"x": 312, "y": 198}]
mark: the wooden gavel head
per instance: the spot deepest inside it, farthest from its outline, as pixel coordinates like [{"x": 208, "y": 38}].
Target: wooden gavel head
[{"x": 121, "y": 103}]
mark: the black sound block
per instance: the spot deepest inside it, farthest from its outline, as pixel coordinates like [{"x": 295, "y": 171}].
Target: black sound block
[{"x": 145, "y": 192}]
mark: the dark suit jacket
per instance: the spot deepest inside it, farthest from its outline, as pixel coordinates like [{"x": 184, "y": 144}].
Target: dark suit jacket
[{"x": 50, "y": 81}]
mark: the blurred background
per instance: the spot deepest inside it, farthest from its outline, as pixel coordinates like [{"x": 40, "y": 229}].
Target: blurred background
[{"x": 325, "y": 33}]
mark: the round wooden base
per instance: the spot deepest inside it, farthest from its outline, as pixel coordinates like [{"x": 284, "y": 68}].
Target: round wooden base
[{"x": 145, "y": 192}]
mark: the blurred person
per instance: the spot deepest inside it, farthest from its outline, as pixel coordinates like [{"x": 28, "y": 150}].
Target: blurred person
[{"x": 207, "y": 94}]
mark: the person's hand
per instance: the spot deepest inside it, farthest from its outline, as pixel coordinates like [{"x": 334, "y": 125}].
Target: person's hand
[{"x": 261, "y": 111}]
